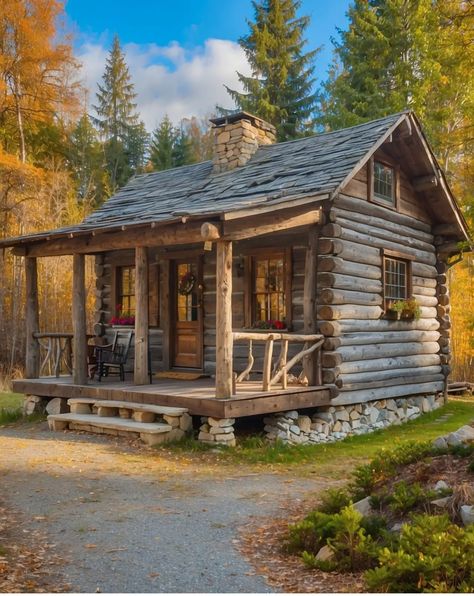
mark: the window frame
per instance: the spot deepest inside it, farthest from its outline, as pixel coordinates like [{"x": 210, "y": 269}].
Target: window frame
[
  {"x": 397, "y": 256},
  {"x": 119, "y": 287},
  {"x": 371, "y": 182},
  {"x": 249, "y": 282}
]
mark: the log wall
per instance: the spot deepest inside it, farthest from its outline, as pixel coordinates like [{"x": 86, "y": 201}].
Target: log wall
[
  {"x": 367, "y": 356},
  {"x": 105, "y": 298}
]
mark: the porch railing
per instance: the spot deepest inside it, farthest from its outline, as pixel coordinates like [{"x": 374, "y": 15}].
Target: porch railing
[
  {"x": 277, "y": 372},
  {"x": 56, "y": 353}
]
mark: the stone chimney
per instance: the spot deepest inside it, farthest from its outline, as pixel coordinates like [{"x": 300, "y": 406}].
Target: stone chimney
[{"x": 237, "y": 137}]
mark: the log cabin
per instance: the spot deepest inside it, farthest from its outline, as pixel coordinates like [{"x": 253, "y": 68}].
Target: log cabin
[{"x": 305, "y": 275}]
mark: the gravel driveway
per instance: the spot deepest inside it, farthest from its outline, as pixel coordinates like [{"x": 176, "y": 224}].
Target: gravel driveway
[{"x": 136, "y": 520}]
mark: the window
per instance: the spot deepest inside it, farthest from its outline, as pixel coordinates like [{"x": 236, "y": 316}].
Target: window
[
  {"x": 269, "y": 296},
  {"x": 397, "y": 279},
  {"x": 126, "y": 290},
  {"x": 384, "y": 183}
]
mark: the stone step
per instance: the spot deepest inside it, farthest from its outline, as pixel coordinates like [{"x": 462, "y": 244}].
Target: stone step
[{"x": 128, "y": 405}]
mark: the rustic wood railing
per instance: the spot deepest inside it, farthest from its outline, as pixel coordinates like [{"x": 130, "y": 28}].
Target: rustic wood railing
[
  {"x": 56, "y": 349},
  {"x": 272, "y": 374}
]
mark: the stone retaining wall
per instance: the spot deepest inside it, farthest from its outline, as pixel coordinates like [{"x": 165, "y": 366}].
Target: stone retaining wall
[{"x": 334, "y": 423}]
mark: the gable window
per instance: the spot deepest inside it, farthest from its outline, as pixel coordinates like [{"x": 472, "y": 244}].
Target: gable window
[
  {"x": 397, "y": 282},
  {"x": 126, "y": 290},
  {"x": 384, "y": 183}
]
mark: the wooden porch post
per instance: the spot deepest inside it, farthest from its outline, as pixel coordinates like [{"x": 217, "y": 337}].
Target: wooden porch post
[
  {"x": 79, "y": 346},
  {"x": 32, "y": 364},
  {"x": 224, "y": 341},
  {"x": 311, "y": 368},
  {"x": 140, "y": 374}
]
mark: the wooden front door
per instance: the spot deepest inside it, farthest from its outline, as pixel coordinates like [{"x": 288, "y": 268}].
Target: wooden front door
[{"x": 186, "y": 311}]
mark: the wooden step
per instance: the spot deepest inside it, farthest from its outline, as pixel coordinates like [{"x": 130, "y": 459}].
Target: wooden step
[
  {"x": 151, "y": 433},
  {"x": 128, "y": 405}
]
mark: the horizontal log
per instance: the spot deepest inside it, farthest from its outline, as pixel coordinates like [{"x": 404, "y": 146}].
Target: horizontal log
[
  {"x": 166, "y": 235},
  {"x": 380, "y": 223},
  {"x": 443, "y": 299},
  {"x": 442, "y": 289},
  {"x": 349, "y": 297},
  {"x": 442, "y": 279},
  {"x": 348, "y": 282},
  {"x": 356, "y": 205},
  {"x": 422, "y": 270},
  {"x": 365, "y": 233},
  {"x": 364, "y": 338},
  {"x": 392, "y": 373},
  {"x": 365, "y": 395},
  {"x": 339, "y": 265},
  {"x": 441, "y": 267},
  {"x": 386, "y": 350},
  {"x": 283, "y": 219},
  {"x": 337, "y": 328},
  {"x": 415, "y": 378},
  {"x": 331, "y": 359},
  {"x": 330, "y": 375},
  {"x": 350, "y": 251},
  {"x": 422, "y": 291},
  {"x": 389, "y": 362},
  {"x": 424, "y": 282},
  {"x": 425, "y": 300},
  {"x": 348, "y": 311}
]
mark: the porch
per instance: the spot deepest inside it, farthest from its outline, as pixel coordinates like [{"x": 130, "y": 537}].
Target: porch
[{"x": 198, "y": 395}]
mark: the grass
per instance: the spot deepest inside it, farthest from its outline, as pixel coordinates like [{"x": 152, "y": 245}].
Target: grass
[
  {"x": 328, "y": 459},
  {"x": 10, "y": 407}
]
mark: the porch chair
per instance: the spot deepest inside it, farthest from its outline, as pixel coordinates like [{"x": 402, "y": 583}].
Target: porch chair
[{"x": 113, "y": 357}]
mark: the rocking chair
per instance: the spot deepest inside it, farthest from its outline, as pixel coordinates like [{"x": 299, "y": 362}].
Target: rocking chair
[{"x": 113, "y": 357}]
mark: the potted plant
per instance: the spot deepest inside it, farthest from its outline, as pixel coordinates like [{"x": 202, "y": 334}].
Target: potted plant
[
  {"x": 122, "y": 317},
  {"x": 269, "y": 324},
  {"x": 403, "y": 309}
]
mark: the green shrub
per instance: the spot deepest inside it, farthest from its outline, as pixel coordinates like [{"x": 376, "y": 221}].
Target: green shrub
[
  {"x": 8, "y": 416},
  {"x": 353, "y": 548},
  {"x": 312, "y": 562},
  {"x": 312, "y": 533},
  {"x": 461, "y": 450},
  {"x": 433, "y": 555},
  {"x": 334, "y": 499},
  {"x": 385, "y": 464},
  {"x": 406, "y": 497}
]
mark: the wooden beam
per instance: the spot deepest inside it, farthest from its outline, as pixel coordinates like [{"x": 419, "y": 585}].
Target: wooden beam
[
  {"x": 140, "y": 372},
  {"x": 276, "y": 222},
  {"x": 166, "y": 235},
  {"x": 210, "y": 231},
  {"x": 79, "y": 345},
  {"x": 32, "y": 319},
  {"x": 224, "y": 340},
  {"x": 309, "y": 303}
]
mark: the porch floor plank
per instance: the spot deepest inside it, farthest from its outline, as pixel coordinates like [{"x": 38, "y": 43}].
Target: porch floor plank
[{"x": 195, "y": 395}]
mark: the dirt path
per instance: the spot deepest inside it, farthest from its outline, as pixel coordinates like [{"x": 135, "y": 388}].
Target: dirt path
[{"x": 129, "y": 520}]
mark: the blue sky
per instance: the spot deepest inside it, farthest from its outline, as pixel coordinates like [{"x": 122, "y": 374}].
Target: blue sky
[{"x": 181, "y": 52}]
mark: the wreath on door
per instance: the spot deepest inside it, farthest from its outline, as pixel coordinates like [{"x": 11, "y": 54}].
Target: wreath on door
[{"x": 186, "y": 283}]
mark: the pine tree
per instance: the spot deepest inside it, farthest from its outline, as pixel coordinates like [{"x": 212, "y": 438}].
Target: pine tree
[
  {"x": 384, "y": 63},
  {"x": 280, "y": 88},
  {"x": 85, "y": 159},
  {"x": 162, "y": 143},
  {"x": 117, "y": 119},
  {"x": 182, "y": 148}
]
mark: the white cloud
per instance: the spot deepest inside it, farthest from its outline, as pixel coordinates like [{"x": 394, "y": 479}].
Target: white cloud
[{"x": 171, "y": 79}]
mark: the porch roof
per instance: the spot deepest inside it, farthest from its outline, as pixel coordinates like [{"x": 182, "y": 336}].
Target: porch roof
[{"x": 277, "y": 175}]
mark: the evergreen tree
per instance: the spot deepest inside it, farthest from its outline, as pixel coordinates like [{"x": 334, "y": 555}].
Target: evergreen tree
[
  {"x": 280, "y": 88},
  {"x": 162, "y": 144},
  {"x": 170, "y": 147},
  {"x": 85, "y": 158},
  {"x": 117, "y": 119},
  {"x": 182, "y": 148}
]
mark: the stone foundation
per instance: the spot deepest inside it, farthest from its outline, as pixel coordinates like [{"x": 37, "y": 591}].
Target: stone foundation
[
  {"x": 217, "y": 431},
  {"x": 334, "y": 423}
]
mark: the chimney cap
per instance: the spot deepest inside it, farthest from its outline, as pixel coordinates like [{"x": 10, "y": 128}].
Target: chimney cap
[{"x": 241, "y": 115}]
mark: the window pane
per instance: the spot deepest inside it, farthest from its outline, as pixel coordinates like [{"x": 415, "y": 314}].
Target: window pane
[
  {"x": 384, "y": 182},
  {"x": 126, "y": 290},
  {"x": 396, "y": 281},
  {"x": 269, "y": 289}
]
